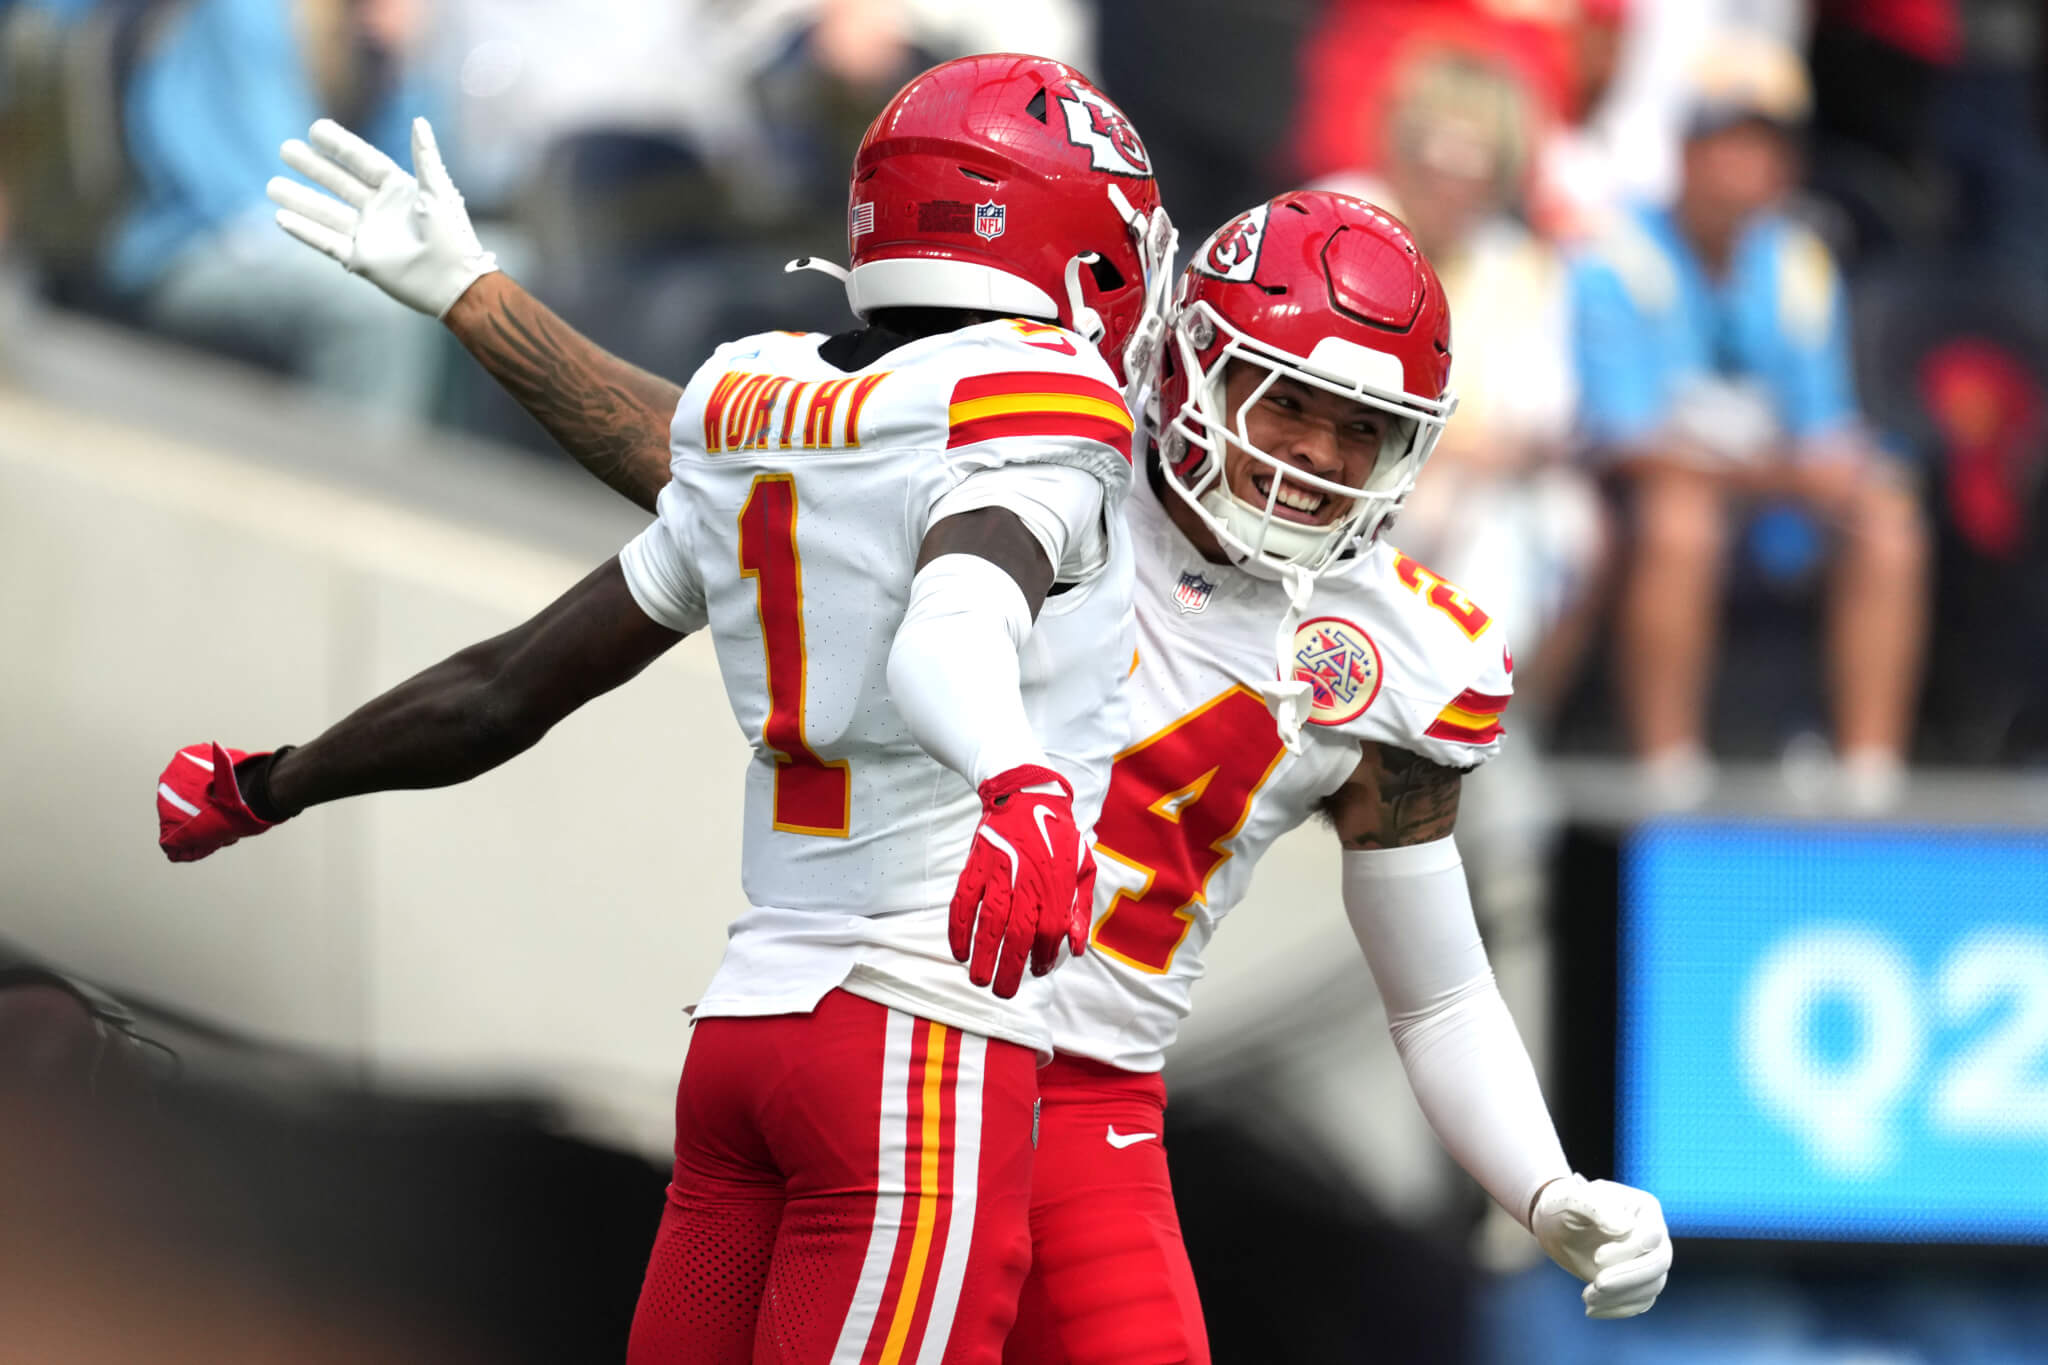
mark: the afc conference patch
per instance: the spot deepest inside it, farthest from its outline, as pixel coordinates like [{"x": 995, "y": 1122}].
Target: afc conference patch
[
  {"x": 1191, "y": 594},
  {"x": 989, "y": 220},
  {"x": 1341, "y": 665}
]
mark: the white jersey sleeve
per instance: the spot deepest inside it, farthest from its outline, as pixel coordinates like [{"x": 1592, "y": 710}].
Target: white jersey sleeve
[
  {"x": 660, "y": 573},
  {"x": 1440, "y": 671},
  {"x": 1061, "y": 506}
]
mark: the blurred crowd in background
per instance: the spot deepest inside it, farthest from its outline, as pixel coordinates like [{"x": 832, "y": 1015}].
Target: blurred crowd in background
[{"x": 1747, "y": 293}]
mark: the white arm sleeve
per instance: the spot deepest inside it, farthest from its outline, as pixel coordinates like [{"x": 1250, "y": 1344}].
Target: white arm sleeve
[
  {"x": 1465, "y": 1061},
  {"x": 953, "y": 669},
  {"x": 1060, "y": 505}
]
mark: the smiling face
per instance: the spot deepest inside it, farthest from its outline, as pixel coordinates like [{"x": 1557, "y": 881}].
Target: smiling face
[{"x": 1304, "y": 428}]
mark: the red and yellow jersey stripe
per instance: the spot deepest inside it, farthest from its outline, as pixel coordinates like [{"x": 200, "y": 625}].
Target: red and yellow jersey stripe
[
  {"x": 1471, "y": 718},
  {"x": 1037, "y": 403}
]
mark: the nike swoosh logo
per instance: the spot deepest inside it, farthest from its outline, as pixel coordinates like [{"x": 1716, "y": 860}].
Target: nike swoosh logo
[
  {"x": 1121, "y": 1140},
  {"x": 1041, "y": 814}
]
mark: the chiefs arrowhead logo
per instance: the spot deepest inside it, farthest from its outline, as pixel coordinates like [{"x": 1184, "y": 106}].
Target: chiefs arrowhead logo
[
  {"x": 1100, "y": 127},
  {"x": 1233, "y": 253}
]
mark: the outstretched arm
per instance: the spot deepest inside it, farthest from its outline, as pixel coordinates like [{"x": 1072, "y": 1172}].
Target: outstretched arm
[
  {"x": 411, "y": 237},
  {"x": 458, "y": 719},
  {"x": 476, "y": 709},
  {"x": 1405, "y": 892},
  {"x": 611, "y": 415}
]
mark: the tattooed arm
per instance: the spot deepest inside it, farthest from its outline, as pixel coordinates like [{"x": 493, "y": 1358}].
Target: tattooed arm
[
  {"x": 1394, "y": 799},
  {"x": 410, "y": 235},
  {"x": 612, "y": 416}
]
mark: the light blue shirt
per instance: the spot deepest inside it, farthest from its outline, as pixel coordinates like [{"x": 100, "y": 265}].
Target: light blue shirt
[
  {"x": 1650, "y": 322},
  {"x": 205, "y": 112}
]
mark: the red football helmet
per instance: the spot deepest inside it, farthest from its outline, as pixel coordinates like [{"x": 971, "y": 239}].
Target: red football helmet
[
  {"x": 1328, "y": 291},
  {"x": 1009, "y": 184}
]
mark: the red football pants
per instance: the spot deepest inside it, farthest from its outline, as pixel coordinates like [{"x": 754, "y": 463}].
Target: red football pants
[
  {"x": 851, "y": 1186},
  {"x": 1110, "y": 1282}
]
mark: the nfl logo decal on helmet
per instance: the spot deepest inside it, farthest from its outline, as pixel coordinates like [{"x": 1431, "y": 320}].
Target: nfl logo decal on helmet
[
  {"x": 1191, "y": 594},
  {"x": 1341, "y": 665},
  {"x": 988, "y": 220}
]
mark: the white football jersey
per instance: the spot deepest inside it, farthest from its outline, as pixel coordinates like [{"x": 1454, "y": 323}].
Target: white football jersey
[
  {"x": 1394, "y": 655},
  {"x": 800, "y": 496}
]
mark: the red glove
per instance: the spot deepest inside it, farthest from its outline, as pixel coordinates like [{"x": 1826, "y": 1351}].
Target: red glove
[
  {"x": 1024, "y": 881},
  {"x": 199, "y": 807}
]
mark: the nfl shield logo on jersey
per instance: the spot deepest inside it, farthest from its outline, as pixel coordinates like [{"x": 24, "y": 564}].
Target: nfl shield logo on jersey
[
  {"x": 1341, "y": 665},
  {"x": 988, "y": 220},
  {"x": 1191, "y": 594}
]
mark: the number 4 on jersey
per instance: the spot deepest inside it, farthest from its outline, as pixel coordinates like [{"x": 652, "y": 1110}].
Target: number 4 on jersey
[
  {"x": 813, "y": 795},
  {"x": 1174, "y": 799}
]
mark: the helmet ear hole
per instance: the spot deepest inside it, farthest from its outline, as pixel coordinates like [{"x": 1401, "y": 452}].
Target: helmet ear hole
[
  {"x": 1037, "y": 106},
  {"x": 1107, "y": 277}
]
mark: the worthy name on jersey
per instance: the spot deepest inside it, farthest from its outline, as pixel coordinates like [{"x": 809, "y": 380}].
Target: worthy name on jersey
[{"x": 750, "y": 410}]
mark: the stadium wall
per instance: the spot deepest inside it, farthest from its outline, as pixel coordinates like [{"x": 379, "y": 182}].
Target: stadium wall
[{"x": 547, "y": 923}]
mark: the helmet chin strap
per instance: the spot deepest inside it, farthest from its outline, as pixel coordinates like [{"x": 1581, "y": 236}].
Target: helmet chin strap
[
  {"x": 1290, "y": 698},
  {"x": 1087, "y": 321},
  {"x": 823, "y": 267}
]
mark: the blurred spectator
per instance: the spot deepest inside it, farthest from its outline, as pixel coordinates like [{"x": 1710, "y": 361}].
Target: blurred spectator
[
  {"x": 219, "y": 86},
  {"x": 1878, "y": 68},
  {"x": 664, "y": 164},
  {"x": 54, "y": 193},
  {"x": 1577, "y": 178},
  {"x": 1497, "y": 511},
  {"x": 1363, "y": 49},
  {"x": 760, "y": 80},
  {"x": 527, "y": 77},
  {"x": 1714, "y": 368},
  {"x": 1633, "y": 62},
  {"x": 1598, "y": 75},
  {"x": 1989, "y": 132}
]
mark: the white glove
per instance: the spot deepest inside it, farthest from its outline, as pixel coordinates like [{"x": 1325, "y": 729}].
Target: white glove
[
  {"x": 409, "y": 237},
  {"x": 1612, "y": 1236}
]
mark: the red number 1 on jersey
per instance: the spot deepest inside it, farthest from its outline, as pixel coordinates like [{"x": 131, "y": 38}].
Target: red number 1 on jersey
[{"x": 813, "y": 795}]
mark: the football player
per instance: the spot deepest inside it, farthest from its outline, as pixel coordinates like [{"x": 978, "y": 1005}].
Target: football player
[
  {"x": 1291, "y": 664},
  {"x": 908, "y": 546}
]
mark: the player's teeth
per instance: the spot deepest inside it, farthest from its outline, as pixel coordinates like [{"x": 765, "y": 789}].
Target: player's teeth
[{"x": 1300, "y": 501}]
